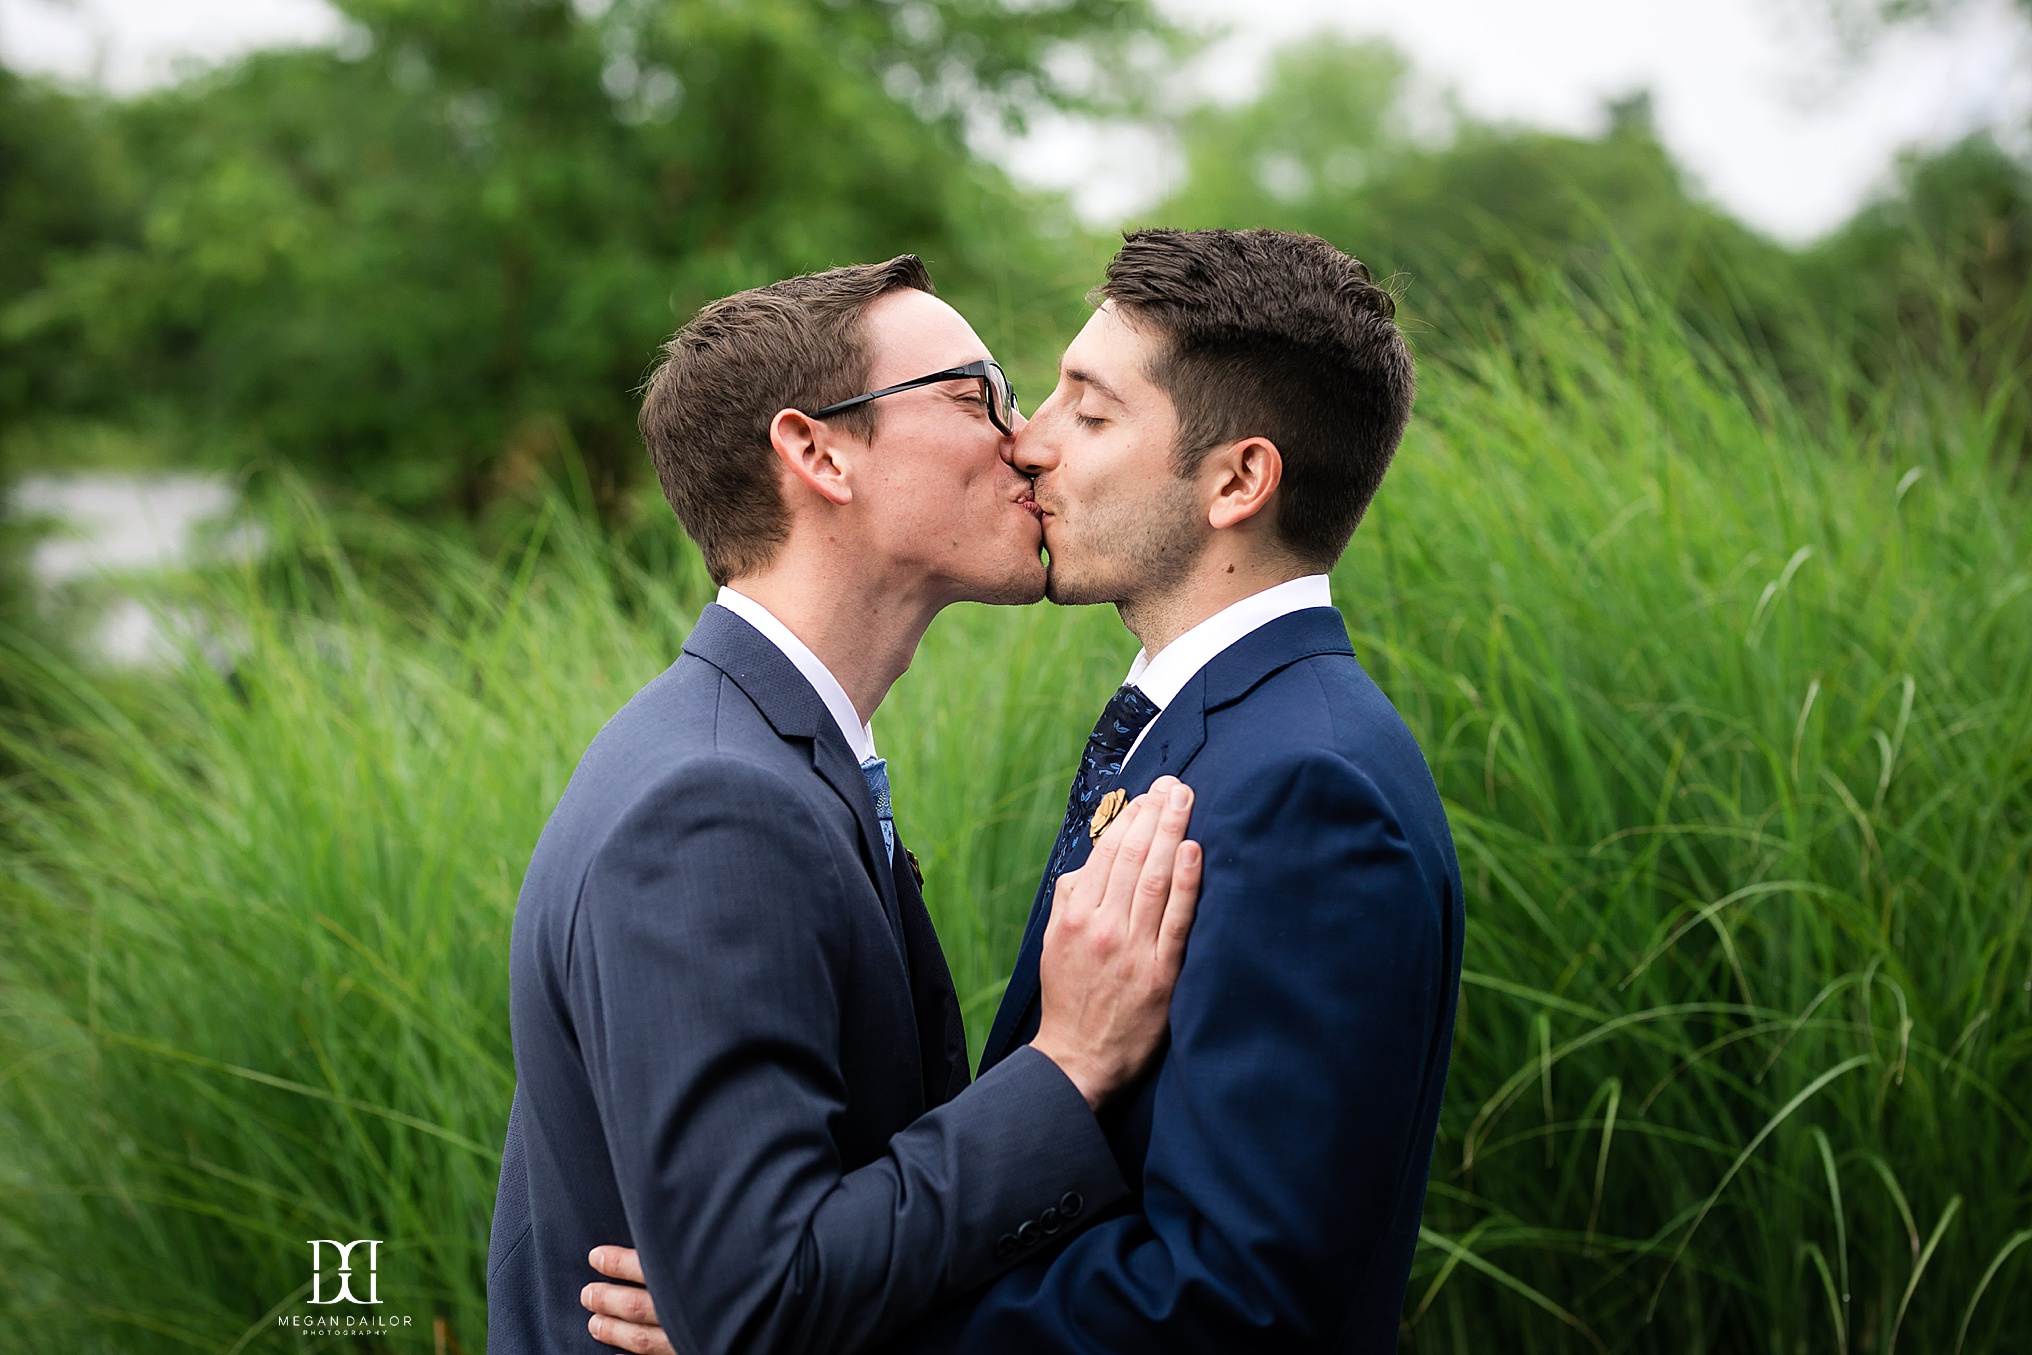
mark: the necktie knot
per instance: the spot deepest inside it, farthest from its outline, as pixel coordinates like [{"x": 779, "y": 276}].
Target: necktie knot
[
  {"x": 1127, "y": 713},
  {"x": 876, "y": 770}
]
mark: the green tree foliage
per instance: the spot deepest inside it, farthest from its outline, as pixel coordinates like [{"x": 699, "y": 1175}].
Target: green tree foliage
[
  {"x": 418, "y": 265},
  {"x": 436, "y": 262},
  {"x": 1939, "y": 271},
  {"x": 1934, "y": 273},
  {"x": 1329, "y": 147},
  {"x": 56, "y": 196}
]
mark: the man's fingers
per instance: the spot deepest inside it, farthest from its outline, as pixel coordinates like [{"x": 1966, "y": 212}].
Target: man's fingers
[
  {"x": 623, "y": 1315},
  {"x": 629, "y": 1336},
  {"x": 1093, "y": 874},
  {"x": 1152, "y": 886},
  {"x": 624, "y": 1301},
  {"x": 1062, "y": 894},
  {"x": 1100, "y": 862},
  {"x": 617, "y": 1263},
  {"x": 1180, "y": 909},
  {"x": 1130, "y": 856}
]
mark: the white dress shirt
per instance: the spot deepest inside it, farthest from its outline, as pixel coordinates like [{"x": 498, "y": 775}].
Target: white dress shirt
[
  {"x": 1162, "y": 677},
  {"x": 860, "y": 737}
]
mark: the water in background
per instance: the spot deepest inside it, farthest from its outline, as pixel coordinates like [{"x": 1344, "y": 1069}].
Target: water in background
[{"x": 109, "y": 533}]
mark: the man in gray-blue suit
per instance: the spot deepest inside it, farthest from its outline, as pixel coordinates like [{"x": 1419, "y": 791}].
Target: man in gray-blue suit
[
  {"x": 1218, "y": 430},
  {"x": 737, "y": 1044}
]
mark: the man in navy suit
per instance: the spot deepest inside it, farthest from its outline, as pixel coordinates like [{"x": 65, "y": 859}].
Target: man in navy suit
[
  {"x": 1218, "y": 430},
  {"x": 737, "y": 1045}
]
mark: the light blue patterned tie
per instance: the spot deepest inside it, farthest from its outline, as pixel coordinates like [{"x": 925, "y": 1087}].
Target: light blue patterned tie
[{"x": 877, "y": 771}]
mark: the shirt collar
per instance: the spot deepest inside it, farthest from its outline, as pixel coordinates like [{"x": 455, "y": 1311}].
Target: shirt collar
[
  {"x": 860, "y": 737},
  {"x": 1163, "y": 676}
]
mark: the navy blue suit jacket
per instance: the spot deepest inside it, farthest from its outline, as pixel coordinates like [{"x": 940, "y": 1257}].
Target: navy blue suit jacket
[
  {"x": 724, "y": 1051},
  {"x": 1278, "y": 1152}
]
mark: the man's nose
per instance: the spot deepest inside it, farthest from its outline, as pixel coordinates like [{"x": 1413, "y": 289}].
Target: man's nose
[{"x": 1027, "y": 450}]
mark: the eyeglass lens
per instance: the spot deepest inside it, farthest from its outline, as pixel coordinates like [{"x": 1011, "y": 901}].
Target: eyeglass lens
[{"x": 1002, "y": 398}]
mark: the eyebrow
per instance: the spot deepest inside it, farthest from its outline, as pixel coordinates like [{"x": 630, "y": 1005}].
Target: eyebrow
[{"x": 1089, "y": 379}]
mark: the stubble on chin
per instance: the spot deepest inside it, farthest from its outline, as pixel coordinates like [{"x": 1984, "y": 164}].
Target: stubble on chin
[
  {"x": 1015, "y": 579},
  {"x": 1136, "y": 553},
  {"x": 1019, "y": 589},
  {"x": 1068, "y": 588}
]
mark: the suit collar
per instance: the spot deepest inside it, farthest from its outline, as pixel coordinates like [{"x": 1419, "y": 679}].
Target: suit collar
[
  {"x": 1231, "y": 674},
  {"x": 1179, "y": 732},
  {"x": 793, "y": 709},
  {"x": 1163, "y": 676},
  {"x": 860, "y": 738},
  {"x": 754, "y": 663}
]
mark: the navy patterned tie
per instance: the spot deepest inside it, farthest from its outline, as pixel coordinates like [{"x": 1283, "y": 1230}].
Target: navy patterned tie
[{"x": 1127, "y": 713}]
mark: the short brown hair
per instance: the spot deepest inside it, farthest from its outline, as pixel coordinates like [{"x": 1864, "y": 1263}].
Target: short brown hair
[
  {"x": 1278, "y": 336},
  {"x": 795, "y": 344}
]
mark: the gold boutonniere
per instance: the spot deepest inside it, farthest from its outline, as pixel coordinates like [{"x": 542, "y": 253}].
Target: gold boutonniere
[{"x": 1111, "y": 805}]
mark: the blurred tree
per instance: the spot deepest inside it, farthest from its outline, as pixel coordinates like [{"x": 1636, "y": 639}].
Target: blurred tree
[
  {"x": 1939, "y": 270},
  {"x": 1860, "y": 23},
  {"x": 436, "y": 261},
  {"x": 1329, "y": 147},
  {"x": 425, "y": 261},
  {"x": 58, "y": 193},
  {"x": 1329, "y": 121}
]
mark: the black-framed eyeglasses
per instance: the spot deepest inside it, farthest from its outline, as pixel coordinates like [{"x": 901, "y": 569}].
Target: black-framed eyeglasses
[{"x": 1001, "y": 396}]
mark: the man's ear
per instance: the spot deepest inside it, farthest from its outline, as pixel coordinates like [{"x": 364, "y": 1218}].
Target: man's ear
[
  {"x": 812, "y": 454},
  {"x": 1241, "y": 478}
]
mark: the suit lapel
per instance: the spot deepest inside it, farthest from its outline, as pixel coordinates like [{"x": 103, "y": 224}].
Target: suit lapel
[
  {"x": 1174, "y": 738},
  {"x": 835, "y": 762},
  {"x": 941, "y": 1031},
  {"x": 794, "y": 711}
]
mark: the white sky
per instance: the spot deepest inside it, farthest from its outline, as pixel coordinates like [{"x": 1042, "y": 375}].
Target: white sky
[{"x": 1751, "y": 96}]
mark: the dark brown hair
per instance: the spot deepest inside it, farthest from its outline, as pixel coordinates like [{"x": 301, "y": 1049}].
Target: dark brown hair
[
  {"x": 795, "y": 344},
  {"x": 1280, "y": 336}
]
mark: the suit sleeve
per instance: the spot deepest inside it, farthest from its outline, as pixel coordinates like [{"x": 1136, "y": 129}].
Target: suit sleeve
[
  {"x": 711, "y": 957},
  {"x": 1286, "y": 1115}
]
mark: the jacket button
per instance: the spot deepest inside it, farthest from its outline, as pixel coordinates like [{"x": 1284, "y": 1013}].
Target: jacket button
[
  {"x": 1070, "y": 1204},
  {"x": 1029, "y": 1235},
  {"x": 1005, "y": 1246},
  {"x": 1050, "y": 1221}
]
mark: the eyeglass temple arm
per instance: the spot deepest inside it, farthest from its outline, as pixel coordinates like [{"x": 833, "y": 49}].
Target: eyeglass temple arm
[{"x": 949, "y": 374}]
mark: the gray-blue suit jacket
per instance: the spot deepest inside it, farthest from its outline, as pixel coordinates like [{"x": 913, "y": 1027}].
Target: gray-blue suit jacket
[{"x": 736, "y": 1047}]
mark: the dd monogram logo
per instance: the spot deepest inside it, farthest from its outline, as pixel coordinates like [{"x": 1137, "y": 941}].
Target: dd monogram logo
[{"x": 345, "y": 1274}]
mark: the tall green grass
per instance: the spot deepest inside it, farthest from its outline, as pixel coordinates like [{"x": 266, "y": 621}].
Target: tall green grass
[{"x": 1729, "y": 692}]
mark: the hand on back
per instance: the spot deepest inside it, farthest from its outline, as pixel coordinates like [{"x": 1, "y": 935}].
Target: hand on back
[{"x": 623, "y": 1315}]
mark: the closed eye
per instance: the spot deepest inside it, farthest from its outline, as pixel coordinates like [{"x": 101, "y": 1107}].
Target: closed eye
[{"x": 1087, "y": 421}]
